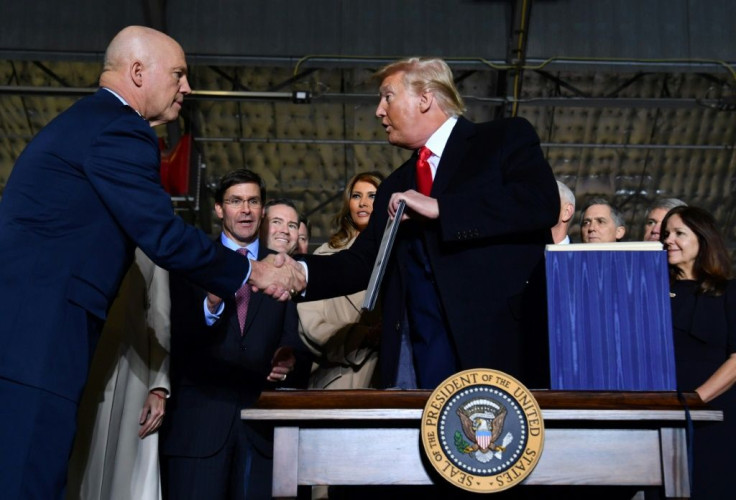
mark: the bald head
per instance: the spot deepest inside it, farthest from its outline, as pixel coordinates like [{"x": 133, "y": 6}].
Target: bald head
[
  {"x": 148, "y": 69},
  {"x": 130, "y": 44}
]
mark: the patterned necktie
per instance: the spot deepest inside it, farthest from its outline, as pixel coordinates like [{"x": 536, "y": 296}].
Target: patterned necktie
[
  {"x": 242, "y": 297},
  {"x": 424, "y": 171}
]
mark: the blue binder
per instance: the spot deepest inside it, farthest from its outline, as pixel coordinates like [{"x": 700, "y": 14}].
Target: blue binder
[{"x": 610, "y": 324}]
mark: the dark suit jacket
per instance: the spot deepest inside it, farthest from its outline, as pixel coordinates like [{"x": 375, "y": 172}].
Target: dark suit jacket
[
  {"x": 83, "y": 194},
  {"x": 215, "y": 371},
  {"x": 498, "y": 200}
]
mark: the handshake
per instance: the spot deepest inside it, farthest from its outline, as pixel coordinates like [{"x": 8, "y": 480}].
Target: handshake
[{"x": 278, "y": 275}]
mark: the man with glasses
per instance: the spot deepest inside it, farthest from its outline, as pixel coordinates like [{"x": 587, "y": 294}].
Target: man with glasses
[{"x": 223, "y": 353}]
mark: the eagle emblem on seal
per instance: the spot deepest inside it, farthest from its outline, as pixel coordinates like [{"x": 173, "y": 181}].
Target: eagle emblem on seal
[{"x": 482, "y": 423}]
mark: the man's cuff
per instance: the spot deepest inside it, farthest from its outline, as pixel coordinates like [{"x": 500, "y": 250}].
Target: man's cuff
[
  {"x": 211, "y": 318},
  {"x": 306, "y": 276}
]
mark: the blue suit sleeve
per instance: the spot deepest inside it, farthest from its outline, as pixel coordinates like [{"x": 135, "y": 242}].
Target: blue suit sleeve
[{"x": 123, "y": 167}]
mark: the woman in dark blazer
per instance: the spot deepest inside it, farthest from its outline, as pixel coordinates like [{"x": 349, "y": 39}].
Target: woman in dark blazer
[{"x": 704, "y": 324}]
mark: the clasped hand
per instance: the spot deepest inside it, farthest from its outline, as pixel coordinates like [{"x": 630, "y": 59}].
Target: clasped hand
[{"x": 278, "y": 275}]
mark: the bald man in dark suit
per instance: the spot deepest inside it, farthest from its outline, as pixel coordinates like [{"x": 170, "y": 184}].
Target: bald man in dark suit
[{"x": 83, "y": 194}]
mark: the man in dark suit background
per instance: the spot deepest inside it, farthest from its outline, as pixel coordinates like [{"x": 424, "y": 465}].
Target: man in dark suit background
[
  {"x": 83, "y": 194},
  {"x": 464, "y": 287},
  {"x": 219, "y": 367}
]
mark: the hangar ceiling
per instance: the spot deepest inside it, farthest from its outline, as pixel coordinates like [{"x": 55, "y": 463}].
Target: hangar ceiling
[{"x": 631, "y": 100}]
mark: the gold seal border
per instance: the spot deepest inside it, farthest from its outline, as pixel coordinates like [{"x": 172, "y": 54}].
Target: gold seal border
[{"x": 431, "y": 416}]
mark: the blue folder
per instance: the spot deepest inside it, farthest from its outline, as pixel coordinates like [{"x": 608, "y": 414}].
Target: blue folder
[{"x": 610, "y": 324}]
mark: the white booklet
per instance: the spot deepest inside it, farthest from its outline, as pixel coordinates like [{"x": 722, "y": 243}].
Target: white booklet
[{"x": 619, "y": 245}]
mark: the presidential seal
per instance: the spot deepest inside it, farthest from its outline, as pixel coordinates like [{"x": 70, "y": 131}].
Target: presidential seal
[{"x": 482, "y": 430}]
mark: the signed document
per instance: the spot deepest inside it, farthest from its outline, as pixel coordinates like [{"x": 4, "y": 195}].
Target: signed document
[{"x": 384, "y": 252}]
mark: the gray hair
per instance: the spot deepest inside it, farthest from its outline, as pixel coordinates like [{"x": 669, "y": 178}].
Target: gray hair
[
  {"x": 667, "y": 204},
  {"x": 566, "y": 193},
  {"x": 616, "y": 215}
]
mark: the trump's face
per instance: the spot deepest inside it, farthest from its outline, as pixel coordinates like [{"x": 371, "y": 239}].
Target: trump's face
[{"x": 400, "y": 112}]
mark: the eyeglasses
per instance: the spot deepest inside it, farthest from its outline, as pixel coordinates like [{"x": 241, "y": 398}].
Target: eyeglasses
[{"x": 239, "y": 202}]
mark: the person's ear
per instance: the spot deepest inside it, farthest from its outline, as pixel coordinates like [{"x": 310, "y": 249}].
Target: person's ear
[
  {"x": 620, "y": 232},
  {"x": 136, "y": 73},
  {"x": 426, "y": 99},
  {"x": 568, "y": 212},
  {"x": 219, "y": 211}
]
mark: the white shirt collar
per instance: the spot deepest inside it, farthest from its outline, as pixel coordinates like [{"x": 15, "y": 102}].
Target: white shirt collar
[
  {"x": 120, "y": 98},
  {"x": 438, "y": 140},
  {"x": 437, "y": 143}
]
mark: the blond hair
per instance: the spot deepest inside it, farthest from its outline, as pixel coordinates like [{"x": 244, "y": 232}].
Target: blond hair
[{"x": 428, "y": 75}]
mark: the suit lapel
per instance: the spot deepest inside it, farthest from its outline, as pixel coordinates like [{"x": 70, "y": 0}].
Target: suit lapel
[
  {"x": 453, "y": 155},
  {"x": 403, "y": 178}
]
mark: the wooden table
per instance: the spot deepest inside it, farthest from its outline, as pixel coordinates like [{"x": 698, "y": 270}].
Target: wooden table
[{"x": 371, "y": 437}]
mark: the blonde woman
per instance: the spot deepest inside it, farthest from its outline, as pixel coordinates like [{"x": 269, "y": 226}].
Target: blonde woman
[{"x": 344, "y": 340}]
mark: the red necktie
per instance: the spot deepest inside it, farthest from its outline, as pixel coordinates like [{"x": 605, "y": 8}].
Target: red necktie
[
  {"x": 424, "y": 171},
  {"x": 242, "y": 297}
]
